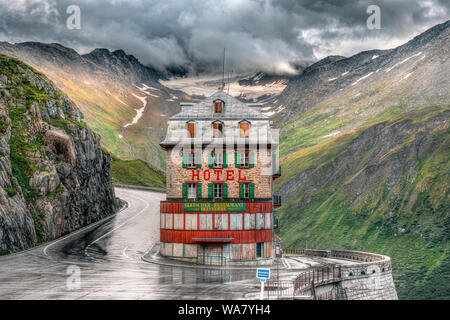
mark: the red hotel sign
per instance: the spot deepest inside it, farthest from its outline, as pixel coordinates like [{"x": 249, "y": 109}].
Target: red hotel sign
[{"x": 218, "y": 174}]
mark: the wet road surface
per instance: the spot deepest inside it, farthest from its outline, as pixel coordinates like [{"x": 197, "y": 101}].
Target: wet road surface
[
  {"x": 103, "y": 261},
  {"x": 107, "y": 258}
]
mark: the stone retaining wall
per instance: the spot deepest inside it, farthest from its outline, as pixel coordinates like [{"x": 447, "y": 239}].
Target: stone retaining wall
[{"x": 369, "y": 279}]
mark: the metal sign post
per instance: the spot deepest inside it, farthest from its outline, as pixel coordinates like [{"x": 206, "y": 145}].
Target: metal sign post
[{"x": 262, "y": 275}]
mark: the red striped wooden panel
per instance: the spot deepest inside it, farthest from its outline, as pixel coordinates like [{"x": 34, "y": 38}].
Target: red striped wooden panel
[{"x": 244, "y": 236}]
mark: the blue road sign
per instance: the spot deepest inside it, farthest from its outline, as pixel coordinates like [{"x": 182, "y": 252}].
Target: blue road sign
[{"x": 263, "y": 274}]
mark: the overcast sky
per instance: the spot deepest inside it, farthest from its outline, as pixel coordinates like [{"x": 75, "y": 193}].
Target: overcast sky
[{"x": 268, "y": 35}]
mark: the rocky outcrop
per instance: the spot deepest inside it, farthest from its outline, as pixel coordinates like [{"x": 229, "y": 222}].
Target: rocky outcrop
[{"x": 54, "y": 177}]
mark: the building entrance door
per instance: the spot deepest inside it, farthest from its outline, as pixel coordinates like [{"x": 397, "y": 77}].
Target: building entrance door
[{"x": 213, "y": 254}]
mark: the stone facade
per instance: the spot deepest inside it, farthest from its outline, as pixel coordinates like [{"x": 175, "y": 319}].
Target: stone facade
[{"x": 176, "y": 175}]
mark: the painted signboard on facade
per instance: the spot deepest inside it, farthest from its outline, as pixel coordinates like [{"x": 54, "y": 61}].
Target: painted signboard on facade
[{"x": 213, "y": 206}]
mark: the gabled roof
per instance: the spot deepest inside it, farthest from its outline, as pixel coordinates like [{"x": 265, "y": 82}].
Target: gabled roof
[{"x": 233, "y": 110}]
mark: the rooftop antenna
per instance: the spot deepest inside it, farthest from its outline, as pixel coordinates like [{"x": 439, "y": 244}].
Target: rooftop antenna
[
  {"x": 223, "y": 71},
  {"x": 228, "y": 90}
]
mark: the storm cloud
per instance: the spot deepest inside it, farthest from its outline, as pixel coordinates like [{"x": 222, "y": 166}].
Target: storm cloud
[{"x": 262, "y": 35}]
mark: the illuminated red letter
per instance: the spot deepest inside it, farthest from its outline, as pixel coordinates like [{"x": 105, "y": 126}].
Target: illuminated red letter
[
  {"x": 230, "y": 175},
  {"x": 194, "y": 174},
  {"x": 204, "y": 174},
  {"x": 240, "y": 178},
  {"x": 218, "y": 173}
]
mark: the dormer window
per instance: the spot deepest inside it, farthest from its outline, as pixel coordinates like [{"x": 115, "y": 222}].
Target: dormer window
[
  {"x": 217, "y": 129},
  {"x": 218, "y": 106},
  {"x": 191, "y": 129},
  {"x": 244, "y": 127}
]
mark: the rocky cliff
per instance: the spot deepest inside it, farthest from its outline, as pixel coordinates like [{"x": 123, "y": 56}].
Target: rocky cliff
[{"x": 54, "y": 177}]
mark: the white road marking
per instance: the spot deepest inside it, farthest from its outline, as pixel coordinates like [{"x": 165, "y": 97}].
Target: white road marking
[{"x": 119, "y": 226}]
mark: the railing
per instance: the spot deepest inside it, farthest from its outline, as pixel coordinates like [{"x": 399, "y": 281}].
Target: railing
[
  {"x": 279, "y": 289},
  {"x": 293, "y": 251},
  {"x": 309, "y": 279},
  {"x": 276, "y": 200}
]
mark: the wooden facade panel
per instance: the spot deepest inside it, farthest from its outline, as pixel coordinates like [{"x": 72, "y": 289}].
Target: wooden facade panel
[
  {"x": 259, "y": 221},
  {"x": 235, "y": 221},
  {"x": 244, "y": 236},
  {"x": 178, "y": 249},
  {"x": 191, "y": 221},
  {"x": 190, "y": 250},
  {"x": 268, "y": 217},
  {"x": 236, "y": 251},
  {"x": 205, "y": 221},
  {"x": 221, "y": 221},
  {"x": 169, "y": 220},
  {"x": 249, "y": 221},
  {"x": 166, "y": 249},
  {"x": 178, "y": 221},
  {"x": 268, "y": 249},
  {"x": 162, "y": 217},
  {"x": 248, "y": 251}
]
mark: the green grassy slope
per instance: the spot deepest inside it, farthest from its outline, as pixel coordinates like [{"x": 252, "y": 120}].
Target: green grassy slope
[
  {"x": 381, "y": 187},
  {"x": 136, "y": 172}
]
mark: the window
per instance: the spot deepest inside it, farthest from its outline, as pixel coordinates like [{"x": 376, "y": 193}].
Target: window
[
  {"x": 190, "y": 161},
  {"x": 245, "y": 190},
  {"x": 217, "y": 189},
  {"x": 244, "y": 159},
  {"x": 192, "y": 190},
  {"x": 259, "y": 249},
  {"x": 217, "y": 129},
  {"x": 217, "y": 160},
  {"x": 191, "y": 129},
  {"x": 218, "y": 106},
  {"x": 244, "y": 128}
]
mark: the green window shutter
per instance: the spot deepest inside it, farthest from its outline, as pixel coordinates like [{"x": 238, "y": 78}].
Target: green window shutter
[
  {"x": 184, "y": 159},
  {"x": 210, "y": 160},
  {"x": 199, "y": 190},
  {"x": 184, "y": 190},
  {"x": 252, "y": 190},
  {"x": 241, "y": 190},
  {"x": 210, "y": 190},
  {"x": 251, "y": 159},
  {"x": 236, "y": 160},
  {"x": 225, "y": 191},
  {"x": 225, "y": 164},
  {"x": 199, "y": 159}
]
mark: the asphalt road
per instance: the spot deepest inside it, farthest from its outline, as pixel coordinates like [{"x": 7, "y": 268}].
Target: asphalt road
[{"x": 103, "y": 261}]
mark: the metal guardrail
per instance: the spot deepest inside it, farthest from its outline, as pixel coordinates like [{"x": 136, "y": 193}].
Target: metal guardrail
[
  {"x": 279, "y": 289},
  {"x": 293, "y": 251},
  {"x": 303, "y": 287},
  {"x": 316, "y": 277}
]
